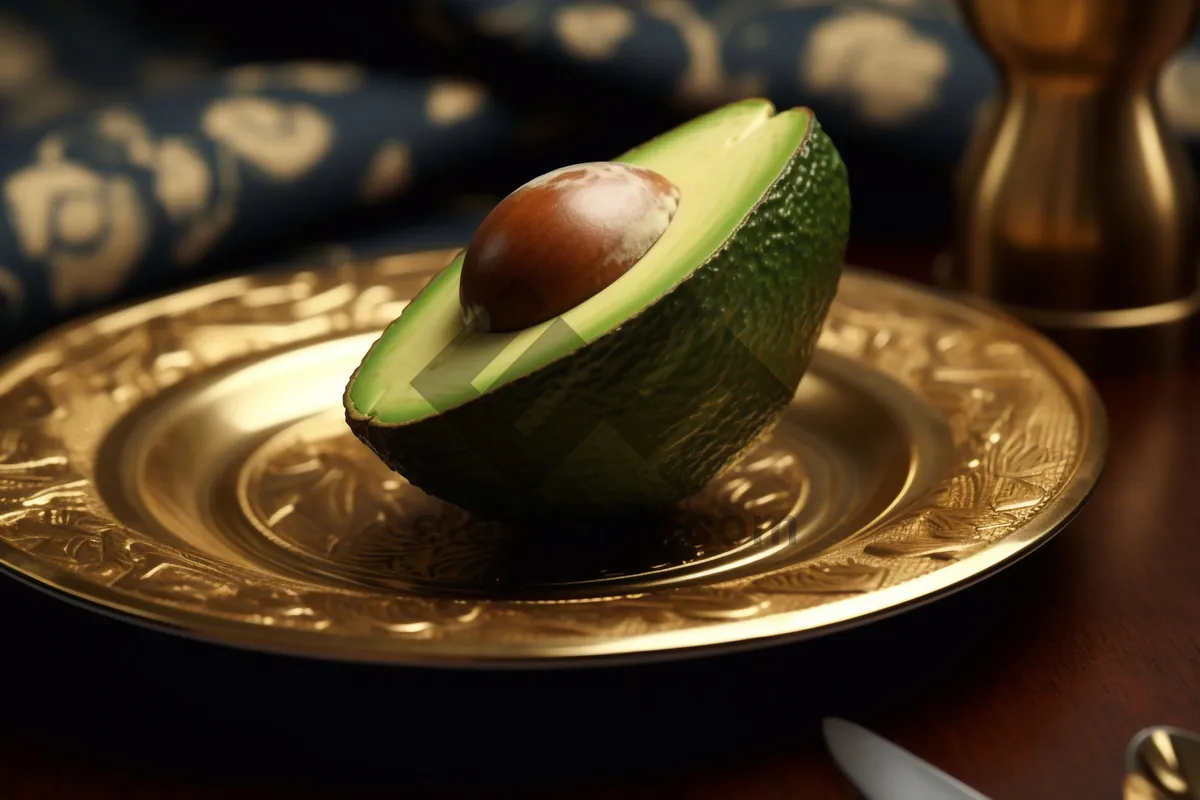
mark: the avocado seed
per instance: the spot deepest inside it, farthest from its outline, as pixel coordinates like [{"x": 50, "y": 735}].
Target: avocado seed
[{"x": 559, "y": 240}]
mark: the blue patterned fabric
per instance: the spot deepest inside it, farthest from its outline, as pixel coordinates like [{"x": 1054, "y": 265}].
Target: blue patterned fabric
[{"x": 149, "y": 145}]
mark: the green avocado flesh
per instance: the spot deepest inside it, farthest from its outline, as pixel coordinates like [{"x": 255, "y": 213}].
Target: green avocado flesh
[{"x": 637, "y": 397}]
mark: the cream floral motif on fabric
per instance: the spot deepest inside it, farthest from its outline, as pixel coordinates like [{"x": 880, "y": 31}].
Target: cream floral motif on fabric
[
  {"x": 704, "y": 79},
  {"x": 387, "y": 174},
  {"x": 890, "y": 70},
  {"x": 89, "y": 228},
  {"x": 452, "y": 101},
  {"x": 183, "y": 182},
  {"x": 593, "y": 31},
  {"x": 199, "y": 201},
  {"x": 282, "y": 140}
]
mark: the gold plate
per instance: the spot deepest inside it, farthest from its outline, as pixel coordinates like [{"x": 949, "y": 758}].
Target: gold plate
[{"x": 184, "y": 463}]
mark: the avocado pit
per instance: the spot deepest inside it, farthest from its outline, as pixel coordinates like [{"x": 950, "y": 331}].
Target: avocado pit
[{"x": 561, "y": 239}]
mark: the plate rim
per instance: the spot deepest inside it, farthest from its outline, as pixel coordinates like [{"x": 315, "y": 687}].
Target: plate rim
[{"x": 734, "y": 636}]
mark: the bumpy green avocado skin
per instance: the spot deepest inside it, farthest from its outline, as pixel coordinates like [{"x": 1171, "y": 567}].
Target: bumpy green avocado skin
[{"x": 649, "y": 413}]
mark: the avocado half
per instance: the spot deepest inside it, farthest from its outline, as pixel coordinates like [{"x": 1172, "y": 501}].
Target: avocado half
[{"x": 637, "y": 397}]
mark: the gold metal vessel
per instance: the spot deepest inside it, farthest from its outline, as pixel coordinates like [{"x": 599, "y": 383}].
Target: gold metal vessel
[
  {"x": 184, "y": 463},
  {"x": 1075, "y": 203}
]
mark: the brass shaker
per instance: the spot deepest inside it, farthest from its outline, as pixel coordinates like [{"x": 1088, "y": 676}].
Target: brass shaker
[{"x": 1075, "y": 203}]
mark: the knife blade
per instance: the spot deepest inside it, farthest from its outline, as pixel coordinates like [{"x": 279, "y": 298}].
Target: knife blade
[{"x": 881, "y": 770}]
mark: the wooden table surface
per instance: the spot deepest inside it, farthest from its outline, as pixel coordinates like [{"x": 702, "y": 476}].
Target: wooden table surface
[{"x": 1026, "y": 686}]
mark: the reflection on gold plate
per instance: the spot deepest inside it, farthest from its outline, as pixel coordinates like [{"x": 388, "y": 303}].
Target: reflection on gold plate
[{"x": 184, "y": 463}]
